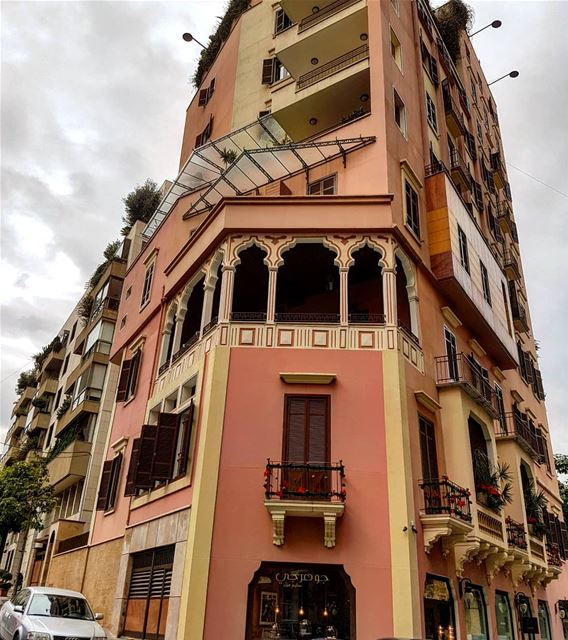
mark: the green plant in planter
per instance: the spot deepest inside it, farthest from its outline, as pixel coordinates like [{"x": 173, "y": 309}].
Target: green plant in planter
[
  {"x": 492, "y": 483},
  {"x": 228, "y": 156},
  {"x": 26, "y": 379},
  {"x": 40, "y": 403},
  {"x": 535, "y": 504},
  {"x": 63, "y": 407}
]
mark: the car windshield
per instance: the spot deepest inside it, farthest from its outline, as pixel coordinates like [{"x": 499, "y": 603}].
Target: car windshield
[{"x": 57, "y": 606}]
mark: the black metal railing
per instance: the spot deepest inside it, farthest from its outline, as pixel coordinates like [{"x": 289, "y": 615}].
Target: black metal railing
[
  {"x": 462, "y": 369},
  {"x": 248, "y": 316},
  {"x": 516, "y": 534},
  {"x": 366, "y": 318},
  {"x": 516, "y": 424},
  {"x": 553, "y": 555},
  {"x": 185, "y": 347},
  {"x": 451, "y": 108},
  {"x": 408, "y": 332},
  {"x": 305, "y": 480},
  {"x": 163, "y": 367},
  {"x": 443, "y": 497},
  {"x": 333, "y": 66},
  {"x": 511, "y": 262},
  {"x": 330, "y": 318},
  {"x": 322, "y": 14},
  {"x": 459, "y": 164},
  {"x": 212, "y": 323}
]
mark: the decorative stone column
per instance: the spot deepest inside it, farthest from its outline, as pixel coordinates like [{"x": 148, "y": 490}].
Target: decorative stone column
[
  {"x": 344, "y": 295},
  {"x": 180, "y": 317},
  {"x": 389, "y": 295},
  {"x": 227, "y": 287},
  {"x": 207, "y": 303},
  {"x": 271, "y": 302}
]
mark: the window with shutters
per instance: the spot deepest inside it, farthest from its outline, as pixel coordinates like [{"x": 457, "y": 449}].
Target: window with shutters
[
  {"x": 485, "y": 283},
  {"x": 306, "y": 437},
  {"x": 205, "y": 135},
  {"x": 206, "y": 94},
  {"x": 129, "y": 377},
  {"x": 148, "y": 594},
  {"x": 324, "y": 187},
  {"x": 281, "y": 21},
  {"x": 431, "y": 113},
  {"x": 273, "y": 71},
  {"x": 147, "y": 286},
  {"x": 428, "y": 452},
  {"x": 464, "y": 252},
  {"x": 182, "y": 454},
  {"x": 411, "y": 210},
  {"x": 110, "y": 479}
]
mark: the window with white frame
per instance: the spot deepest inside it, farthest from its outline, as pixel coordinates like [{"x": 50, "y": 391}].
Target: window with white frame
[
  {"x": 464, "y": 254},
  {"x": 411, "y": 209},
  {"x": 396, "y": 49},
  {"x": 431, "y": 113},
  {"x": 147, "y": 286},
  {"x": 485, "y": 283},
  {"x": 399, "y": 113}
]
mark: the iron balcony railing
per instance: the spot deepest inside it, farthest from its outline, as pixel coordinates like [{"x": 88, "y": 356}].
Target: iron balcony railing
[
  {"x": 212, "y": 323},
  {"x": 451, "y": 108},
  {"x": 511, "y": 262},
  {"x": 443, "y": 497},
  {"x": 516, "y": 424},
  {"x": 366, "y": 318},
  {"x": 457, "y": 163},
  {"x": 462, "y": 370},
  {"x": 248, "y": 316},
  {"x": 305, "y": 481},
  {"x": 330, "y": 318},
  {"x": 333, "y": 66},
  {"x": 320, "y": 15},
  {"x": 105, "y": 303},
  {"x": 516, "y": 534},
  {"x": 553, "y": 555}
]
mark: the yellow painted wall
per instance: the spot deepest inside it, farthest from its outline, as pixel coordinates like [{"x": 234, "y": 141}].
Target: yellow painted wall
[{"x": 66, "y": 570}]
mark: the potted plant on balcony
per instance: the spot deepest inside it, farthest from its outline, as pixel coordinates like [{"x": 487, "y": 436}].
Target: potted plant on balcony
[
  {"x": 40, "y": 403},
  {"x": 535, "y": 504},
  {"x": 492, "y": 483}
]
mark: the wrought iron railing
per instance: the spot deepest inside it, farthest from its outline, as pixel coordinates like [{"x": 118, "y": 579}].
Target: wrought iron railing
[
  {"x": 307, "y": 481},
  {"x": 366, "y": 318},
  {"x": 322, "y": 14},
  {"x": 248, "y": 316},
  {"x": 445, "y": 497},
  {"x": 185, "y": 347},
  {"x": 510, "y": 261},
  {"x": 451, "y": 108},
  {"x": 462, "y": 369},
  {"x": 458, "y": 163},
  {"x": 553, "y": 555},
  {"x": 516, "y": 534},
  {"x": 516, "y": 424},
  {"x": 212, "y": 323},
  {"x": 331, "y": 318},
  {"x": 333, "y": 66}
]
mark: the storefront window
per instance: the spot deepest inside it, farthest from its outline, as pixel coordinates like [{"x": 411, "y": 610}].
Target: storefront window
[
  {"x": 475, "y": 614},
  {"x": 438, "y": 609},
  {"x": 300, "y": 601},
  {"x": 503, "y": 617},
  {"x": 544, "y": 621},
  {"x": 563, "y": 613}
]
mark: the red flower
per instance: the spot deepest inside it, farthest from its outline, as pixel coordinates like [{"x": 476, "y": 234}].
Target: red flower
[
  {"x": 301, "y": 490},
  {"x": 266, "y": 473}
]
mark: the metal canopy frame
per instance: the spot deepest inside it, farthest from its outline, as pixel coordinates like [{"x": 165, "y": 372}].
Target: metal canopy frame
[{"x": 262, "y": 154}]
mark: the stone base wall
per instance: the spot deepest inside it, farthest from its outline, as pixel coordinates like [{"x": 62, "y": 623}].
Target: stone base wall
[{"x": 67, "y": 570}]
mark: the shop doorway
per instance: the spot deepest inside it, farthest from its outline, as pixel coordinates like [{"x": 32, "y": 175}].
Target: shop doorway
[
  {"x": 439, "y": 617},
  {"x": 300, "y": 602}
]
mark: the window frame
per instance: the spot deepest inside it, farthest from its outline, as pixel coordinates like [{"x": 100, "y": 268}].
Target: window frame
[
  {"x": 320, "y": 182},
  {"x": 146, "y": 294},
  {"x": 395, "y": 43},
  {"x": 403, "y": 125},
  {"x": 431, "y": 113},
  {"x": 464, "y": 252},
  {"x": 411, "y": 217},
  {"x": 485, "y": 284},
  {"x": 505, "y": 596},
  {"x": 288, "y": 397}
]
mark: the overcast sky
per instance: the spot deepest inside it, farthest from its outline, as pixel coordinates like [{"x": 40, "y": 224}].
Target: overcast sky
[{"x": 93, "y": 102}]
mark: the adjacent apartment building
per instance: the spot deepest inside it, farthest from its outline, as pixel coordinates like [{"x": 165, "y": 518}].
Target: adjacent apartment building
[{"x": 329, "y": 420}]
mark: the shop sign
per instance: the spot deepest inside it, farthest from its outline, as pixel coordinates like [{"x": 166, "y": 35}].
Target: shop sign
[
  {"x": 437, "y": 590},
  {"x": 529, "y": 625},
  {"x": 297, "y": 578}
]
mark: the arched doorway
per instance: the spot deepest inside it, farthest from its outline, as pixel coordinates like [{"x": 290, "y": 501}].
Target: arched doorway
[
  {"x": 250, "y": 287},
  {"x": 365, "y": 287},
  {"x": 192, "y": 320},
  {"x": 300, "y": 601},
  {"x": 308, "y": 285}
]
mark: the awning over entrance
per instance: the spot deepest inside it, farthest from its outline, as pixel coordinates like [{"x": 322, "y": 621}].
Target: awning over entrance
[{"x": 246, "y": 159}]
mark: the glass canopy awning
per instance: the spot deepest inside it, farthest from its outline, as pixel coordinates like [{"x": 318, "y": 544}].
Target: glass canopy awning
[{"x": 246, "y": 159}]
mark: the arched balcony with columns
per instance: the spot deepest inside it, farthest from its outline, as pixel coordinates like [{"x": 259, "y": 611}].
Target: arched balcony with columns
[
  {"x": 308, "y": 283},
  {"x": 406, "y": 294},
  {"x": 249, "y": 301},
  {"x": 365, "y": 301},
  {"x": 168, "y": 336}
]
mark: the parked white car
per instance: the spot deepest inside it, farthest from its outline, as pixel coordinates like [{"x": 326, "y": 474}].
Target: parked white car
[{"x": 43, "y": 613}]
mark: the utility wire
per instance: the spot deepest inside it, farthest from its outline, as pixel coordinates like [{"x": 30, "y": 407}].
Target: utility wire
[
  {"x": 548, "y": 186},
  {"x": 16, "y": 371}
]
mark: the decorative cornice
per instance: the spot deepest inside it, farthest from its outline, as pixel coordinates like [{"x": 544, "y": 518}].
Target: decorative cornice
[
  {"x": 308, "y": 378},
  {"x": 477, "y": 348},
  {"x": 427, "y": 401},
  {"x": 451, "y": 317}
]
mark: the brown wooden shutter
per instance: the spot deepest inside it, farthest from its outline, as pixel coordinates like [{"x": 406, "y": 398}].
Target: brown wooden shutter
[
  {"x": 123, "y": 381},
  {"x": 428, "y": 449},
  {"x": 267, "y": 70},
  {"x": 114, "y": 481},
  {"x": 203, "y": 95},
  {"x": 186, "y": 428},
  {"x": 295, "y": 444},
  {"x": 165, "y": 447},
  {"x": 317, "y": 430},
  {"x": 104, "y": 486},
  {"x": 130, "y": 489},
  {"x": 134, "y": 369},
  {"x": 564, "y": 540},
  {"x": 143, "y": 477}
]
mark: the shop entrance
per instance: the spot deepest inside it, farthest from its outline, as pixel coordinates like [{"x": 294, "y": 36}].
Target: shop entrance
[
  {"x": 438, "y": 609},
  {"x": 300, "y": 602}
]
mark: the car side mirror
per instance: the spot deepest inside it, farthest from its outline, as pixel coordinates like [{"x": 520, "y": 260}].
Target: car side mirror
[
  {"x": 18, "y": 608},
  {"x": 99, "y": 616}
]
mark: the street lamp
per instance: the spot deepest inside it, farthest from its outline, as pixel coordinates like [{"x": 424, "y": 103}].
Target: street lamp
[
  {"x": 511, "y": 74},
  {"x": 189, "y": 38},
  {"x": 495, "y": 24}
]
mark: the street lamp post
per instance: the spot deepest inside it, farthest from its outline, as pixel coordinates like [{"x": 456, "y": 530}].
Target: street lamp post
[
  {"x": 189, "y": 38},
  {"x": 511, "y": 74},
  {"x": 495, "y": 24}
]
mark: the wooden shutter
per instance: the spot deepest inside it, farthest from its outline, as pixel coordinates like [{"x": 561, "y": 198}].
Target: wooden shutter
[
  {"x": 428, "y": 449},
  {"x": 143, "y": 477},
  {"x": 537, "y": 380},
  {"x": 121, "y": 394},
  {"x": 165, "y": 447},
  {"x": 186, "y": 428},
  {"x": 317, "y": 430},
  {"x": 295, "y": 444},
  {"x": 203, "y": 95},
  {"x": 114, "y": 481},
  {"x": 130, "y": 489},
  {"x": 133, "y": 378},
  {"x": 267, "y": 70},
  {"x": 104, "y": 486},
  {"x": 564, "y": 540}
]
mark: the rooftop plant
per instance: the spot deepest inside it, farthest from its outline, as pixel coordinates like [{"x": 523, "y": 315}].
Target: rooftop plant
[
  {"x": 140, "y": 204},
  {"x": 453, "y": 19},
  {"x": 26, "y": 379}
]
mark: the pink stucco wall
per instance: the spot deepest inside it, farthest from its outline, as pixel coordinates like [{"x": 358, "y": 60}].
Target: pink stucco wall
[{"x": 253, "y": 430}]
